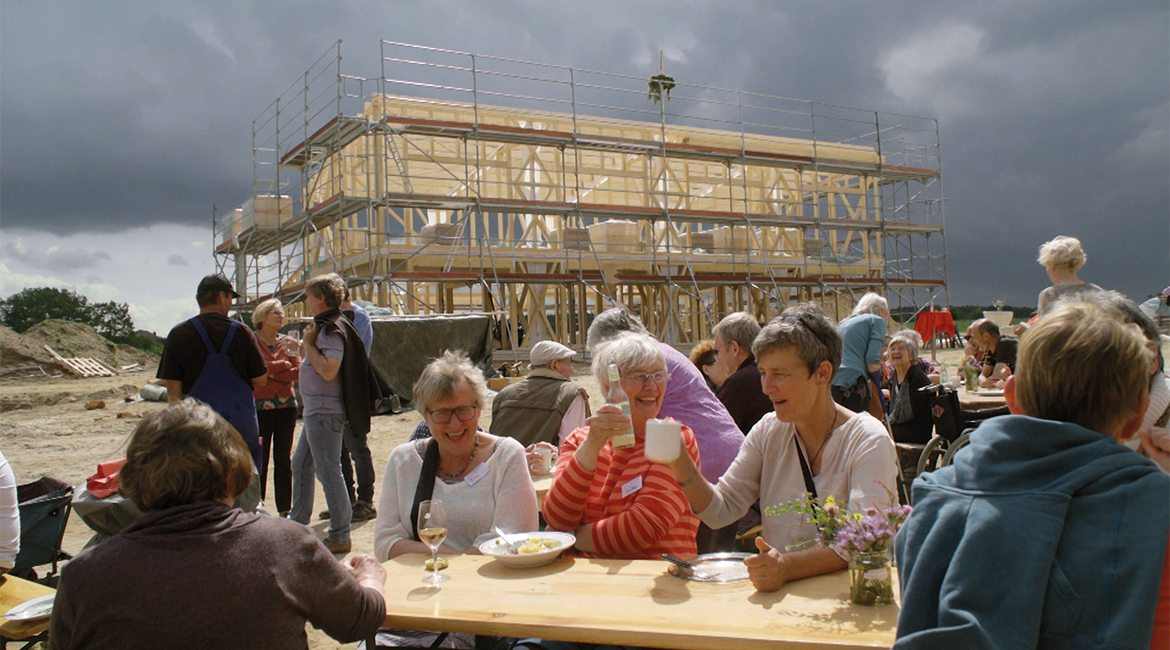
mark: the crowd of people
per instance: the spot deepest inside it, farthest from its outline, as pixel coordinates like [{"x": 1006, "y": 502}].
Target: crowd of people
[{"x": 1045, "y": 532}]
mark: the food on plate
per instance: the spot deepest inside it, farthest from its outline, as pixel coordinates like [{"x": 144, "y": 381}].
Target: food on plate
[{"x": 531, "y": 545}]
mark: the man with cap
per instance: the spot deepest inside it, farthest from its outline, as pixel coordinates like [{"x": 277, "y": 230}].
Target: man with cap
[
  {"x": 546, "y": 406},
  {"x": 216, "y": 360}
]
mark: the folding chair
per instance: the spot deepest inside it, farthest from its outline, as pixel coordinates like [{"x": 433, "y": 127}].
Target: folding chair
[{"x": 44, "y": 512}]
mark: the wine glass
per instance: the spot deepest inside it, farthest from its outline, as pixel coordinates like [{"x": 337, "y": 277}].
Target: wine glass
[{"x": 432, "y": 530}]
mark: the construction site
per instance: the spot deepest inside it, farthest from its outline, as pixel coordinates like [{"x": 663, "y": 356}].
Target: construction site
[{"x": 540, "y": 194}]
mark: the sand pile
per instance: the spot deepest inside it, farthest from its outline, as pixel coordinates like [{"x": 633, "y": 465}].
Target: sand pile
[{"x": 69, "y": 339}]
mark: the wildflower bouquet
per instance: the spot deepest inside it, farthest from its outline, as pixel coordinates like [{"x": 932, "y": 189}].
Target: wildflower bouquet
[
  {"x": 970, "y": 369},
  {"x": 865, "y": 537}
]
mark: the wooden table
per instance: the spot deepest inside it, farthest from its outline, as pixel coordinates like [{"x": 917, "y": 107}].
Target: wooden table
[
  {"x": 980, "y": 400},
  {"x": 13, "y": 592},
  {"x": 542, "y": 484},
  {"x": 631, "y": 602}
]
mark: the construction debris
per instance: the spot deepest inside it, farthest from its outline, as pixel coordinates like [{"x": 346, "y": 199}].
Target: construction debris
[{"x": 83, "y": 367}]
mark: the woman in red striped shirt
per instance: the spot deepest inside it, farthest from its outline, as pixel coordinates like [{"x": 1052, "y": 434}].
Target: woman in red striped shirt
[{"x": 618, "y": 503}]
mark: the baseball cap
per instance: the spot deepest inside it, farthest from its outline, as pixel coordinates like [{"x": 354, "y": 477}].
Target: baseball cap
[
  {"x": 546, "y": 352},
  {"x": 216, "y": 282}
]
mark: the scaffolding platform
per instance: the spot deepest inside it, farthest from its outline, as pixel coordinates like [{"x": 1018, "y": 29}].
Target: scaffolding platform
[{"x": 548, "y": 193}]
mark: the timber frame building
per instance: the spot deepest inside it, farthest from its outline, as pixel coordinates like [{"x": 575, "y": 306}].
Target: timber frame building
[{"x": 455, "y": 183}]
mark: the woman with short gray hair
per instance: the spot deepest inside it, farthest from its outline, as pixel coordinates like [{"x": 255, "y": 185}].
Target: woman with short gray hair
[
  {"x": 482, "y": 479},
  {"x": 617, "y": 502},
  {"x": 910, "y": 418},
  {"x": 809, "y": 444}
]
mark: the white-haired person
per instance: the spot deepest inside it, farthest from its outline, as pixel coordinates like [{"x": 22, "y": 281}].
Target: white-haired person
[
  {"x": 617, "y": 502},
  {"x": 691, "y": 402},
  {"x": 1044, "y": 532},
  {"x": 809, "y": 444},
  {"x": 863, "y": 333},
  {"x": 1063, "y": 257},
  {"x": 276, "y": 402},
  {"x": 910, "y": 418}
]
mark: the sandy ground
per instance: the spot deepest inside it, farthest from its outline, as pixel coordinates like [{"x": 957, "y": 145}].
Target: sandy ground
[{"x": 51, "y": 432}]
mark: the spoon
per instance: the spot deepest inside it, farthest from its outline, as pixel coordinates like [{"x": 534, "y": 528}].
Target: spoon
[{"x": 504, "y": 539}]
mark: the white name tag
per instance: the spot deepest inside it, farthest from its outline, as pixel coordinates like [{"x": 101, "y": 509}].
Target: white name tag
[
  {"x": 632, "y": 487},
  {"x": 474, "y": 475}
]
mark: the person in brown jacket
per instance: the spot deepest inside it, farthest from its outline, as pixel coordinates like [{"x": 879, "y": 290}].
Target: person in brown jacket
[{"x": 544, "y": 408}]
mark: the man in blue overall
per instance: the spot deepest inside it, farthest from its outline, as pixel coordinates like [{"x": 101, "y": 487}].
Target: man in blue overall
[{"x": 216, "y": 360}]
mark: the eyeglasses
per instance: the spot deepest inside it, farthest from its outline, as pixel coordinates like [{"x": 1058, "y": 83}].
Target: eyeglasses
[
  {"x": 443, "y": 416},
  {"x": 640, "y": 378}
]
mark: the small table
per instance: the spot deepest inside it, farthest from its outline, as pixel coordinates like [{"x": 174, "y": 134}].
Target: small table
[
  {"x": 15, "y": 591},
  {"x": 631, "y": 602},
  {"x": 984, "y": 398},
  {"x": 930, "y": 323}
]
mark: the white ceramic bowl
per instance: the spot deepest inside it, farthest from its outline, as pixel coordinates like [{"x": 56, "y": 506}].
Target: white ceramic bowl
[{"x": 495, "y": 548}]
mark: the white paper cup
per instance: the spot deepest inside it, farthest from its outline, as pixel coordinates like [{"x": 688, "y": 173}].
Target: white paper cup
[
  {"x": 546, "y": 460},
  {"x": 663, "y": 440}
]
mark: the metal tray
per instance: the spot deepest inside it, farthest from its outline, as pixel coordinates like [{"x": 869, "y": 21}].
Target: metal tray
[{"x": 714, "y": 567}]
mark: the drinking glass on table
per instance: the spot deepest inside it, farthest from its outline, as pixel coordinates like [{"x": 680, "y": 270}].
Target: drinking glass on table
[{"x": 432, "y": 530}]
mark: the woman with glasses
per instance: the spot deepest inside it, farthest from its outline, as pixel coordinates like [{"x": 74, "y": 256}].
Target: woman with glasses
[
  {"x": 808, "y": 445},
  {"x": 617, "y": 502},
  {"x": 481, "y": 479}
]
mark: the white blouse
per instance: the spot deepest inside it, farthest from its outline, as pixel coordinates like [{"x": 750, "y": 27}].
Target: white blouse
[{"x": 858, "y": 467}]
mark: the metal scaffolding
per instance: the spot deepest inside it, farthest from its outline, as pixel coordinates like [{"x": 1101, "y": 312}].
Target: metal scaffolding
[{"x": 458, "y": 182}]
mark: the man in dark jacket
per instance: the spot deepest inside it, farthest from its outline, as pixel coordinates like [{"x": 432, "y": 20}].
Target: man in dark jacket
[{"x": 741, "y": 392}]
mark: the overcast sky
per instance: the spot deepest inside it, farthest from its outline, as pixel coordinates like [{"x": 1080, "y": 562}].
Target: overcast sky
[{"x": 121, "y": 121}]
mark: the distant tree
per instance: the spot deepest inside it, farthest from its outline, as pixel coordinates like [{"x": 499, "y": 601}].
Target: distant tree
[
  {"x": 22, "y": 310},
  {"x": 112, "y": 320}
]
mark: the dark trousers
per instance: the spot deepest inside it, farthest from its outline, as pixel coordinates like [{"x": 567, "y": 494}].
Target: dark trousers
[
  {"x": 355, "y": 451},
  {"x": 276, "y": 434}
]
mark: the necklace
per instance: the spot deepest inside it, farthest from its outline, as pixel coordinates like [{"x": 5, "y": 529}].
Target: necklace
[
  {"x": 470, "y": 458},
  {"x": 812, "y": 462}
]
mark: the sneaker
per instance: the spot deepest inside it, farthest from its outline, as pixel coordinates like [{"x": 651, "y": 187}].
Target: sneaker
[
  {"x": 337, "y": 548},
  {"x": 324, "y": 514},
  {"x": 363, "y": 511}
]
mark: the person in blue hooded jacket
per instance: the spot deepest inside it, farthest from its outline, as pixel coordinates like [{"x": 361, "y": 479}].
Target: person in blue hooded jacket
[{"x": 1044, "y": 532}]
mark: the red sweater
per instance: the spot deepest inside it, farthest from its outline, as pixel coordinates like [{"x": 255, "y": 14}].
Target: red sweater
[
  {"x": 650, "y": 521},
  {"x": 283, "y": 370}
]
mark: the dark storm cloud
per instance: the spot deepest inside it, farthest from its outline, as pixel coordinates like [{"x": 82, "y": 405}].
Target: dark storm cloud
[{"x": 1053, "y": 117}]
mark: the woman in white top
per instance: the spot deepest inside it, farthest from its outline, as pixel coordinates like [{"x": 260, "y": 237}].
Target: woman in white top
[
  {"x": 481, "y": 479},
  {"x": 848, "y": 455}
]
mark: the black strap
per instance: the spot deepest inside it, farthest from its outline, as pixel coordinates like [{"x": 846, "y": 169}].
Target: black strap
[
  {"x": 804, "y": 469},
  {"x": 426, "y": 483}
]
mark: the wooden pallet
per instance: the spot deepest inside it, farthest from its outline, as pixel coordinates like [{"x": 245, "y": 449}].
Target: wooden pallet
[{"x": 83, "y": 366}]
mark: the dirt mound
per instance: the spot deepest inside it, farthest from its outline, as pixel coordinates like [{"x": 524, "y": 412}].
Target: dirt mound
[
  {"x": 69, "y": 339},
  {"x": 15, "y": 351}
]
